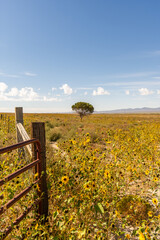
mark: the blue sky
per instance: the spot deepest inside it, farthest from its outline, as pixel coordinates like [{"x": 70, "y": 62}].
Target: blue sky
[{"x": 54, "y": 53}]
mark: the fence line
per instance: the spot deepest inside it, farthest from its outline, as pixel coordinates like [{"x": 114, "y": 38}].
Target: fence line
[
  {"x": 38, "y": 154},
  {"x": 37, "y": 132}
]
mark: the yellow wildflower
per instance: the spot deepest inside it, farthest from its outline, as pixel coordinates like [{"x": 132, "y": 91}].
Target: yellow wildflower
[
  {"x": 141, "y": 236},
  {"x": 65, "y": 179},
  {"x": 88, "y": 140},
  {"x": 155, "y": 179},
  {"x": 87, "y": 186},
  {"x": 155, "y": 201},
  {"x": 107, "y": 204},
  {"x": 150, "y": 213},
  {"x": 107, "y": 174},
  {"x": 128, "y": 236}
]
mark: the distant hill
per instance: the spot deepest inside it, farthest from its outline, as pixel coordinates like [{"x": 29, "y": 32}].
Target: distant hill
[{"x": 133, "y": 110}]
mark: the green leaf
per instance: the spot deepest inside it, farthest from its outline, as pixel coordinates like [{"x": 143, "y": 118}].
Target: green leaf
[
  {"x": 55, "y": 214},
  {"x": 99, "y": 208}
]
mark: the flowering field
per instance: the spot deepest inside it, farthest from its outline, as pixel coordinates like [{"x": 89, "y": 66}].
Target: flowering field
[{"x": 103, "y": 182}]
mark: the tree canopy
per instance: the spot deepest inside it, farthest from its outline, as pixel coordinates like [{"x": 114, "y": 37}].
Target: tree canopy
[{"x": 83, "y": 109}]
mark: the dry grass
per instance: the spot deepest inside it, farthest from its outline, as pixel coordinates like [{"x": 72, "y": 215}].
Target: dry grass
[{"x": 111, "y": 166}]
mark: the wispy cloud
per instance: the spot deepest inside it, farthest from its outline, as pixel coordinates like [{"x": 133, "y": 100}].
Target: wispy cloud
[
  {"x": 133, "y": 75},
  {"x": 67, "y": 90},
  {"x": 100, "y": 91},
  {"x": 155, "y": 53},
  {"x": 128, "y": 75},
  {"x": 128, "y": 83},
  {"x": 30, "y": 74},
  {"x": 8, "y": 75},
  {"x": 145, "y": 91},
  {"x": 158, "y": 91},
  {"x": 45, "y": 99},
  {"x": 156, "y": 77}
]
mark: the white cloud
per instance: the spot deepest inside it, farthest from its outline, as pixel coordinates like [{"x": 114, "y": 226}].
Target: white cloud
[
  {"x": 23, "y": 94},
  {"x": 100, "y": 91},
  {"x": 67, "y": 90},
  {"x": 28, "y": 93},
  {"x": 53, "y": 89},
  {"x": 85, "y": 93},
  {"x": 3, "y": 87},
  {"x": 127, "y": 92},
  {"x": 3, "y": 97},
  {"x": 145, "y": 91},
  {"x": 13, "y": 92},
  {"x": 158, "y": 91},
  {"x": 45, "y": 99},
  {"x": 30, "y": 74}
]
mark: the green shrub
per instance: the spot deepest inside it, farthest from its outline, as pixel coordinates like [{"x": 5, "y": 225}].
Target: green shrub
[
  {"x": 134, "y": 208},
  {"x": 49, "y": 124},
  {"x": 54, "y": 136}
]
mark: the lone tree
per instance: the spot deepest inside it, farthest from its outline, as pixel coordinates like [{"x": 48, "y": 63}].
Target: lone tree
[{"x": 83, "y": 109}]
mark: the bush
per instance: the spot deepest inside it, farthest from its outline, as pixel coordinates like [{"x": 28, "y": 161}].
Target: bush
[
  {"x": 49, "y": 124},
  {"x": 54, "y": 136},
  {"x": 133, "y": 207}
]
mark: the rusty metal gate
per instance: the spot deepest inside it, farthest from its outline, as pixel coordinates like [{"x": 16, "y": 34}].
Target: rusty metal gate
[{"x": 37, "y": 165}]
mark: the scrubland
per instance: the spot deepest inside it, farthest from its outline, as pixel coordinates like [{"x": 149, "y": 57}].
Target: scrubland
[{"x": 103, "y": 182}]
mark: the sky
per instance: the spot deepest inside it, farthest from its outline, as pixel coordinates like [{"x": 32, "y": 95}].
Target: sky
[{"x": 54, "y": 53}]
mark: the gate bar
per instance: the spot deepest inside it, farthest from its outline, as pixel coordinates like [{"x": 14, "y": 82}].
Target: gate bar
[
  {"x": 18, "y": 220},
  {"x": 18, "y": 145},
  {"x": 18, "y": 172},
  {"x": 17, "y": 197}
]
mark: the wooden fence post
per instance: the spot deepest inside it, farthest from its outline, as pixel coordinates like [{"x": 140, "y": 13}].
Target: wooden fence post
[
  {"x": 38, "y": 132},
  {"x": 8, "y": 123},
  {"x": 19, "y": 119}
]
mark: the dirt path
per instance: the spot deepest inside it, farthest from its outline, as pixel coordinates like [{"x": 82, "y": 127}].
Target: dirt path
[
  {"x": 63, "y": 153},
  {"x": 54, "y": 145}
]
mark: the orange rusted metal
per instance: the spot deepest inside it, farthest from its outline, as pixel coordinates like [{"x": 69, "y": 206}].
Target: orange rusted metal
[
  {"x": 18, "y": 220},
  {"x": 18, "y": 172},
  {"x": 37, "y": 164}
]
